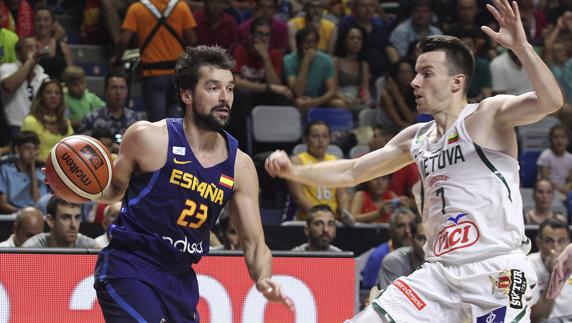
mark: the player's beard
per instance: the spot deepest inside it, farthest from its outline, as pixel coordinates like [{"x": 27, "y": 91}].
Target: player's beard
[{"x": 209, "y": 121}]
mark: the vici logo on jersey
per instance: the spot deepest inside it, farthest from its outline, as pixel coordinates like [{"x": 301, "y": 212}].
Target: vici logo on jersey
[
  {"x": 460, "y": 234},
  {"x": 441, "y": 159}
]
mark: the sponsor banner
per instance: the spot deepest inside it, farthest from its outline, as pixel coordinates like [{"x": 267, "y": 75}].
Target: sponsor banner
[{"x": 59, "y": 288}]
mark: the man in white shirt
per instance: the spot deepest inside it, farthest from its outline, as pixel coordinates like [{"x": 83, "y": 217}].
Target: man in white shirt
[
  {"x": 552, "y": 237},
  {"x": 29, "y": 222},
  {"x": 20, "y": 82}
]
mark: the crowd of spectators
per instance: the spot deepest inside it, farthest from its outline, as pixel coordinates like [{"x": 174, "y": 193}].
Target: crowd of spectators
[{"x": 352, "y": 55}]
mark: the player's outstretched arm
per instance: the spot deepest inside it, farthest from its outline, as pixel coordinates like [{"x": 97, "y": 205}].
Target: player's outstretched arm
[
  {"x": 142, "y": 149},
  {"x": 560, "y": 273},
  {"x": 347, "y": 172},
  {"x": 532, "y": 106},
  {"x": 245, "y": 216}
]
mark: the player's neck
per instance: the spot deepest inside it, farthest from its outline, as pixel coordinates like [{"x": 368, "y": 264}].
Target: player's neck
[
  {"x": 448, "y": 116},
  {"x": 200, "y": 140}
]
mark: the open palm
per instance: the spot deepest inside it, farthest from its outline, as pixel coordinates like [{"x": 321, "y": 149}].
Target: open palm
[{"x": 511, "y": 34}]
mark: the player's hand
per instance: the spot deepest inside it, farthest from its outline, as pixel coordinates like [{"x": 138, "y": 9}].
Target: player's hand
[
  {"x": 511, "y": 34},
  {"x": 278, "y": 163},
  {"x": 273, "y": 292},
  {"x": 560, "y": 273}
]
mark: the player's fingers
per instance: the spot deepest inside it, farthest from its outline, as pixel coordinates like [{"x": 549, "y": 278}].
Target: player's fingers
[
  {"x": 501, "y": 5},
  {"x": 495, "y": 13},
  {"x": 491, "y": 33}
]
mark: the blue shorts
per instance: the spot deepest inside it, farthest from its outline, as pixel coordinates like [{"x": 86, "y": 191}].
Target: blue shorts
[{"x": 146, "y": 294}]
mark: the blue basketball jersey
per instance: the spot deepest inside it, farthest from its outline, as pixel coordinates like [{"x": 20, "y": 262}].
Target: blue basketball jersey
[{"x": 167, "y": 215}]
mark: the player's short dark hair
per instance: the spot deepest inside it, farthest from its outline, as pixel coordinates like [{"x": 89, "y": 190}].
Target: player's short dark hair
[
  {"x": 54, "y": 202},
  {"x": 553, "y": 223},
  {"x": 310, "y": 125},
  {"x": 315, "y": 209},
  {"x": 25, "y": 137},
  {"x": 187, "y": 69},
  {"x": 459, "y": 56}
]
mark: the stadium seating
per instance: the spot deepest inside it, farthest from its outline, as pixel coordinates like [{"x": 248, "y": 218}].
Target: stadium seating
[
  {"x": 273, "y": 124},
  {"x": 338, "y": 119}
]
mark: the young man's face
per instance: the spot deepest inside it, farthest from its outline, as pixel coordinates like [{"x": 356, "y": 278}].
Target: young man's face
[
  {"x": 116, "y": 92},
  {"x": 364, "y": 9},
  {"x": 552, "y": 239},
  {"x": 543, "y": 194},
  {"x": 322, "y": 230},
  {"x": 65, "y": 224},
  {"x": 431, "y": 85},
  {"x": 213, "y": 97},
  {"x": 401, "y": 234}
]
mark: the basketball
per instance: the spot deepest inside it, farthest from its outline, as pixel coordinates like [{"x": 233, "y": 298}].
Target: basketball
[{"x": 79, "y": 168}]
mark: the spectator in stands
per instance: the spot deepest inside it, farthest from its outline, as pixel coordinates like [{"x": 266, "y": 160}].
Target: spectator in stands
[
  {"x": 352, "y": 71},
  {"x": 215, "y": 27},
  {"x": 21, "y": 181},
  {"x": 78, "y": 99},
  {"x": 416, "y": 27},
  {"x": 533, "y": 18},
  {"x": 20, "y": 83},
  {"x": 508, "y": 75},
  {"x": 47, "y": 117},
  {"x": 320, "y": 229},
  {"x": 481, "y": 82},
  {"x": 106, "y": 137},
  {"x": 317, "y": 136},
  {"x": 374, "y": 202},
  {"x": 113, "y": 12},
  {"x": 555, "y": 163},
  {"x": 313, "y": 10},
  {"x": 8, "y": 40},
  {"x": 556, "y": 57},
  {"x": 228, "y": 233},
  {"x": 400, "y": 233},
  {"x": 396, "y": 99},
  {"x": 18, "y": 16},
  {"x": 309, "y": 72},
  {"x": 54, "y": 55},
  {"x": 116, "y": 116},
  {"x": 29, "y": 222},
  {"x": 378, "y": 51},
  {"x": 403, "y": 261},
  {"x": 257, "y": 72},
  {"x": 552, "y": 238},
  {"x": 279, "y": 36},
  {"x": 543, "y": 195},
  {"x": 110, "y": 213},
  {"x": 158, "y": 51},
  {"x": 64, "y": 219}
]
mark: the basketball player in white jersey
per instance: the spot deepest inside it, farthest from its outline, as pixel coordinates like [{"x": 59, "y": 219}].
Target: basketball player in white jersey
[{"x": 471, "y": 206}]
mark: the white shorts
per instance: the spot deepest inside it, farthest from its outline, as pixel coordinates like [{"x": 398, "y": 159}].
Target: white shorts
[{"x": 489, "y": 291}]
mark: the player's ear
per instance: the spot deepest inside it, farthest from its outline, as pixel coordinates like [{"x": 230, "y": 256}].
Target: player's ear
[
  {"x": 458, "y": 83},
  {"x": 186, "y": 96},
  {"x": 50, "y": 220}
]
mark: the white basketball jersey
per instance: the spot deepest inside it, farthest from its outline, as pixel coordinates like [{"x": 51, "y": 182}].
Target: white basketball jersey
[{"x": 471, "y": 204}]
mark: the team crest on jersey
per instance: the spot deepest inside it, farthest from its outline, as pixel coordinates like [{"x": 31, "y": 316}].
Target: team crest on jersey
[
  {"x": 179, "y": 150},
  {"x": 461, "y": 234},
  {"x": 511, "y": 283}
]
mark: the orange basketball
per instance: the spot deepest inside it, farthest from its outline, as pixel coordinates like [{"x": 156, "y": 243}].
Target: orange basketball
[{"x": 79, "y": 168}]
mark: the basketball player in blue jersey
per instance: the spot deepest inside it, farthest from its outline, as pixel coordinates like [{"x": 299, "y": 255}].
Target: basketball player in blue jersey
[
  {"x": 470, "y": 202},
  {"x": 174, "y": 177}
]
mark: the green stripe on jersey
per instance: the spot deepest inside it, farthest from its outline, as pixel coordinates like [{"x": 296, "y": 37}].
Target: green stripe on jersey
[{"x": 492, "y": 167}]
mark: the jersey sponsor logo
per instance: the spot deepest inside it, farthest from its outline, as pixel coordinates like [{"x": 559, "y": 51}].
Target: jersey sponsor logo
[
  {"x": 460, "y": 234},
  {"x": 179, "y": 151},
  {"x": 496, "y": 316},
  {"x": 511, "y": 283},
  {"x": 441, "y": 159},
  {"x": 410, "y": 294},
  {"x": 181, "y": 162},
  {"x": 185, "y": 246},
  {"x": 208, "y": 191},
  {"x": 438, "y": 178}
]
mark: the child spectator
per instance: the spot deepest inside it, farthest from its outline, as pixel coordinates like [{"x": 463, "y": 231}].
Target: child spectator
[
  {"x": 555, "y": 163},
  {"x": 78, "y": 99}
]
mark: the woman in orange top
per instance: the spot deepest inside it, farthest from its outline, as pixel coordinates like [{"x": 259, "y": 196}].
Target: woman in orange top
[{"x": 374, "y": 203}]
